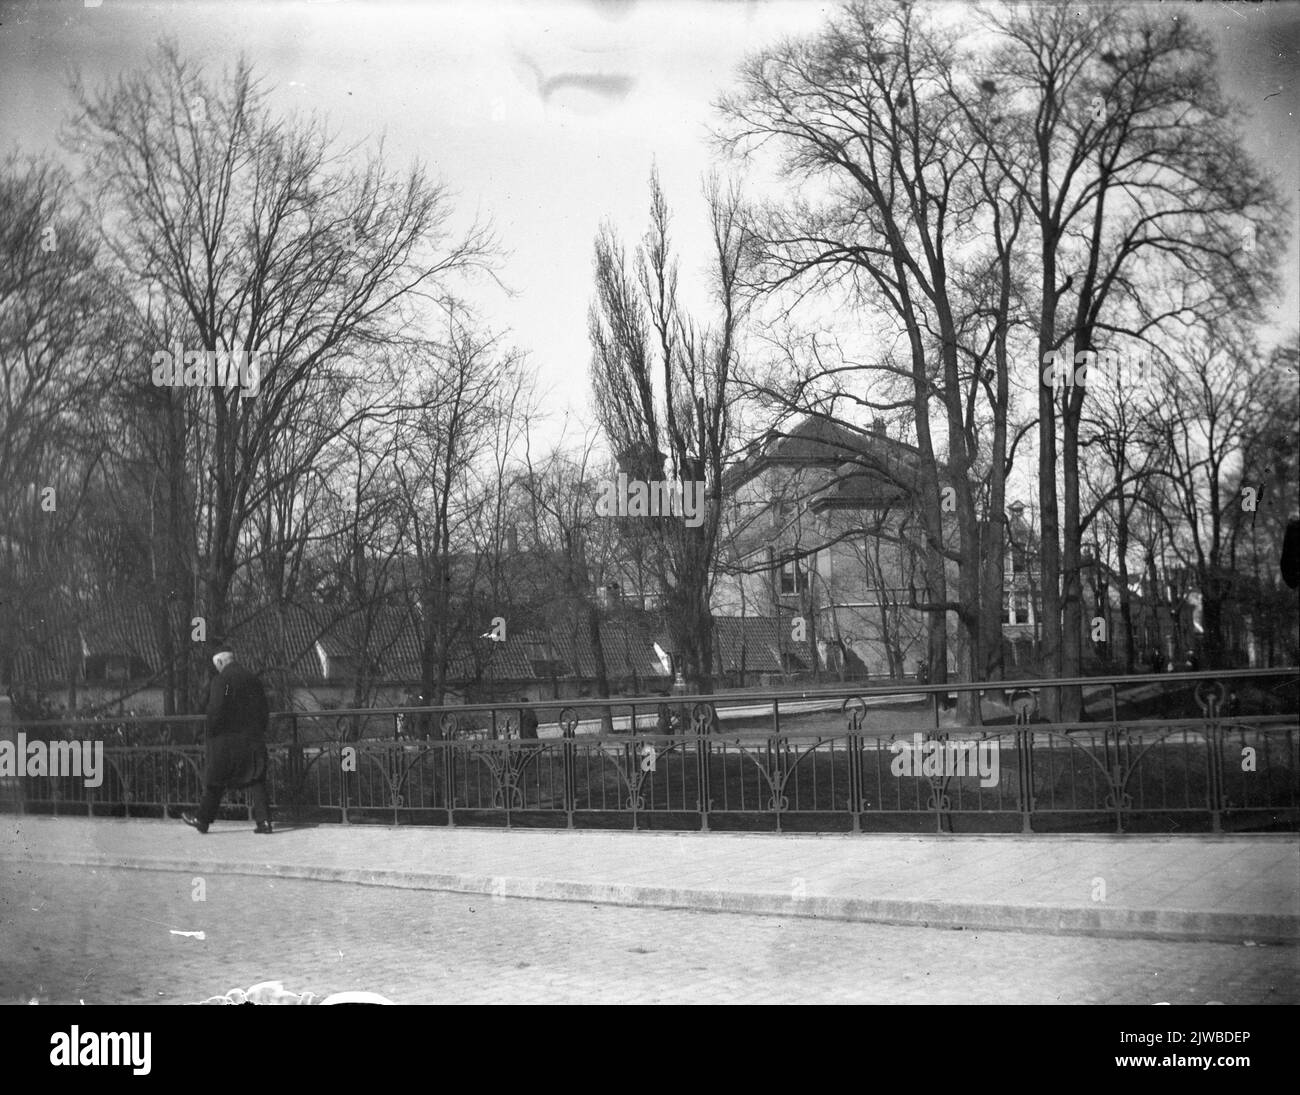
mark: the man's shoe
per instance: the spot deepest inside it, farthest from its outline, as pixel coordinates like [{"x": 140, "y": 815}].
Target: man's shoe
[
  {"x": 264, "y": 827},
  {"x": 193, "y": 822}
]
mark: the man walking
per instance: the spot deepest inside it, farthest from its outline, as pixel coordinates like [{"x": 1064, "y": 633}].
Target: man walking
[{"x": 235, "y": 742}]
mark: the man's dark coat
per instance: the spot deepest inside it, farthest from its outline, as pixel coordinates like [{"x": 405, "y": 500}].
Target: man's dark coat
[{"x": 236, "y": 728}]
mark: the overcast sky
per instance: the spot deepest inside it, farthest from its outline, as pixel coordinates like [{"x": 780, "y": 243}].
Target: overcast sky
[{"x": 543, "y": 116}]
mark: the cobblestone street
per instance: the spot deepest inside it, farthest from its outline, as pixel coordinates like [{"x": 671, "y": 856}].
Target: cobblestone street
[{"x": 105, "y": 936}]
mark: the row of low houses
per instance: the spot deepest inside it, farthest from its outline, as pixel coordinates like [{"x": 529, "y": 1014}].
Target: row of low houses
[
  {"x": 315, "y": 658},
  {"x": 823, "y": 573}
]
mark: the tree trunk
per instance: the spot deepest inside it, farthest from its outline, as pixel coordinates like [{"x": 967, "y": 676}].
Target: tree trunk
[
  {"x": 1049, "y": 565},
  {"x": 1072, "y": 590},
  {"x": 1125, "y": 597}
]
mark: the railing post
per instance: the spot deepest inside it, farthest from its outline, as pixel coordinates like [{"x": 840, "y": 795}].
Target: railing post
[
  {"x": 1025, "y": 784},
  {"x": 633, "y": 765},
  {"x": 449, "y": 779},
  {"x": 1210, "y": 700},
  {"x": 345, "y": 784},
  {"x": 395, "y": 771},
  {"x": 703, "y": 752},
  {"x": 1119, "y": 777},
  {"x": 54, "y": 787},
  {"x": 853, "y": 742},
  {"x": 1214, "y": 748},
  {"x": 856, "y": 744},
  {"x": 1024, "y": 703},
  {"x": 569, "y": 751}
]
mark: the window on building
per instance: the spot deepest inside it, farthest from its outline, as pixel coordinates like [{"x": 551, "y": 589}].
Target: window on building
[
  {"x": 793, "y": 577},
  {"x": 1020, "y": 607}
]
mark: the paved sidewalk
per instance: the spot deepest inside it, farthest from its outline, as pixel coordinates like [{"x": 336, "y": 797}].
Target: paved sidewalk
[{"x": 1191, "y": 888}]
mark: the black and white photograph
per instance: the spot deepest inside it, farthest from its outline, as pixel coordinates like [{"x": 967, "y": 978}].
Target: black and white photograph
[{"x": 650, "y": 502}]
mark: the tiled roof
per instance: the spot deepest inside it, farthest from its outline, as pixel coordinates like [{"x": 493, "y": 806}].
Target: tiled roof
[
  {"x": 43, "y": 649},
  {"x": 764, "y": 640},
  {"x": 285, "y": 641},
  {"x": 130, "y": 632},
  {"x": 628, "y": 649}
]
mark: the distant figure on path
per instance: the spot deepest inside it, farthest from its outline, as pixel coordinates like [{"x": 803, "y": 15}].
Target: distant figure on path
[
  {"x": 527, "y": 723},
  {"x": 1157, "y": 662},
  {"x": 235, "y": 741}
]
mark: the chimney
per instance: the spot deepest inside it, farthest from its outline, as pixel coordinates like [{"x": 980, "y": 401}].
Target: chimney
[
  {"x": 878, "y": 427},
  {"x": 512, "y": 539}
]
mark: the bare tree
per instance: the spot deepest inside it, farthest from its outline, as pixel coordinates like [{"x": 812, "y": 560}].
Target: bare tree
[
  {"x": 1218, "y": 405},
  {"x": 1140, "y": 223},
  {"x": 57, "y": 314},
  {"x": 262, "y": 237},
  {"x": 923, "y": 164},
  {"x": 894, "y": 208},
  {"x": 575, "y": 549},
  {"x": 462, "y": 388},
  {"x": 1126, "y": 450},
  {"x": 663, "y": 392}
]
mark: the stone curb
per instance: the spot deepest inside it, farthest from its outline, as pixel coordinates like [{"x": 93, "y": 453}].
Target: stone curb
[{"x": 1166, "y": 924}]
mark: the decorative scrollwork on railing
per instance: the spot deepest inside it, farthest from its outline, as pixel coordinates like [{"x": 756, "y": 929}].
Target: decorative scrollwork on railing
[
  {"x": 778, "y": 800},
  {"x": 507, "y": 762},
  {"x": 1117, "y": 797},
  {"x": 635, "y": 799},
  {"x": 776, "y": 773},
  {"x": 632, "y": 767},
  {"x": 855, "y": 707},
  {"x": 939, "y": 799},
  {"x": 704, "y": 718},
  {"x": 400, "y": 772},
  {"x": 449, "y": 726},
  {"x": 392, "y": 772},
  {"x": 568, "y": 721},
  {"x": 1118, "y": 801},
  {"x": 505, "y": 774},
  {"x": 1024, "y": 704},
  {"x": 1211, "y": 696},
  {"x": 122, "y": 780}
]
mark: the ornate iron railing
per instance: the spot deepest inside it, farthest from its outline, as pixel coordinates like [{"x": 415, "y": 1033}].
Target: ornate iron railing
[{"x": 1221, "y": 754}]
